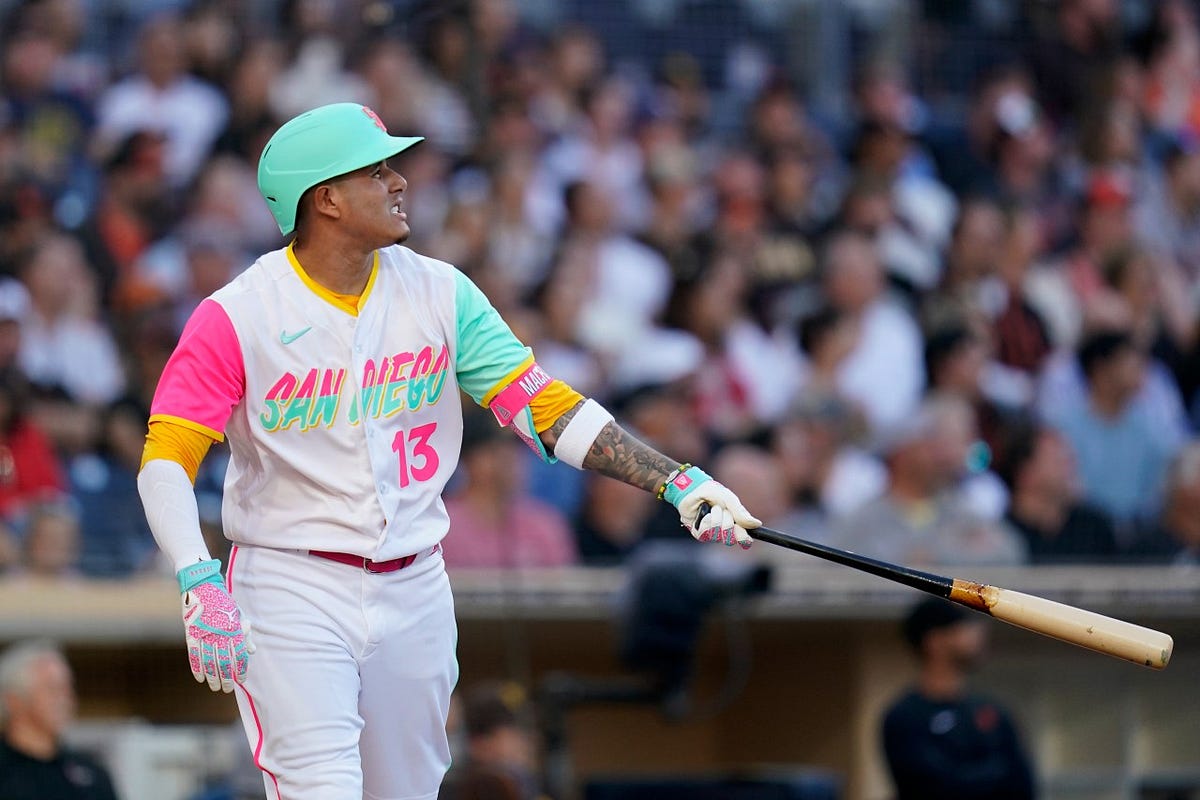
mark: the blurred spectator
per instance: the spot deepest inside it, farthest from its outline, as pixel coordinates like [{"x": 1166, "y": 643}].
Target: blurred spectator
[
  {"x": 1175, "y": 538},
  {"x": 828, "y": 473},
  {"x": 827, "y": 337},
  {"x": 52, "y": 125},
  {"x": 201, "y": 256},
  {"x": 79, "y": 70},
  {"x": 493, "y": 522},
  {"x": 115, "y": 538},
  {"x": 675, "y": 189},
  {"x": 1063, "y": 386},
  {"x": 10, "y": 550},
  {"x": 72, "y": 427},
  {"x": 37, "y": 706},
  {"x": 14, "y": 307},
  {"x": 1020, "y": 152},
  {"x": 161, "y": 96},
  {"x": 628, "y": 283},
  {"x": 575, "y": 61},
  {"x": 1074, "y": 55},
  {"x": 29, "y": 468},
  {"x": 1019, "y": 330},
  {"x": 315, "y": 42},
  {"x": 1121, "y": 451},
  {"x": 942, "y": 740},
  {"x": 601, "y": 152},
  {"x": 751, "y": 373},
  {"x": 134, "y": 208},
  {"x": 501, "y": 752},
  {"x": 755, "y": 471},
  {"x": 883, "y": 373},
  {"x": 1160, "y": 315},
  {"x": 251, "y": 121},
  {"x": 921, "y": 209},
  {"x": 969, "y": 270},
  {"x": 63, "y": 343},
  {"x": 612, "y": 521},
  {"x": 1172, "y": 53},
  {"x": 984, "y": 288},
  {"x": 222, "y": 198},
  {"x": 451, "y": 88},
  {"x": 1046, "y": 505},
  {"x": 923, "y": 519},
  {"x": 558, "y": 302},
  {"x": 52, "y": 541},
  {"x": 956, "y": 359},
  {"x": 515, "y": 247},
  {"x": 1167, "y": 213},
  {"x": 1062, "y": 290}
]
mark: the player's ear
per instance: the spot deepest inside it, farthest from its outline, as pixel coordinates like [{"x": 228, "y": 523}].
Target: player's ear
[{"x": 326, "y": 200}]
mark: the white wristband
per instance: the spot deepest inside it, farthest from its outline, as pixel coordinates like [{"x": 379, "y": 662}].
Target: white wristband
[{"x": 577, "y": 438}]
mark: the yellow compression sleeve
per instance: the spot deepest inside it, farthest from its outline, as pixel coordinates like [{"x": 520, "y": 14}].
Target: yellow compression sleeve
[
  {"x": 551, "y": 403},
  {"x": 173, "y": 442}
]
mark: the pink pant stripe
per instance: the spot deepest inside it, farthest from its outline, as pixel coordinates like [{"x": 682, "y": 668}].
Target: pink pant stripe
[{"x": 250, "y": 700}]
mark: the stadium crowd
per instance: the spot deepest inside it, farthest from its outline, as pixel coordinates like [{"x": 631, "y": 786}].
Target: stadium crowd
[{"x": 948, "y": 317}]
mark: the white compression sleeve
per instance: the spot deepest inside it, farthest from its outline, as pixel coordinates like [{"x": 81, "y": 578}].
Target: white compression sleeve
[
  {"x": 581, "y": 431},
  {"x": 170, "y": 503}
]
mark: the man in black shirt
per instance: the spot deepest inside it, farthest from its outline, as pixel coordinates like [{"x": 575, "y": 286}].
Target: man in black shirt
[
  {"x": 37, "y": 703},
  {"x": 942, "y": 741}
]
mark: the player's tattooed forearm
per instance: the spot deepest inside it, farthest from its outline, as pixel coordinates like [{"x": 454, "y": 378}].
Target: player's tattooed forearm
[{"x": 619, "y": 455}]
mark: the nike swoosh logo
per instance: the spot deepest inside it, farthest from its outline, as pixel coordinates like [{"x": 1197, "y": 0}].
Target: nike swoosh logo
[{"x": 288, "y": 338}]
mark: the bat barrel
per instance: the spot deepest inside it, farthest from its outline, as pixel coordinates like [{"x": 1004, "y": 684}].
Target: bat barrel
[{"x": 1114, "y": 637}]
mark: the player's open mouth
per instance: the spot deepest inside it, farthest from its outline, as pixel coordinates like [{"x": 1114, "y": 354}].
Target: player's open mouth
[{"x": 397, "y": 212}]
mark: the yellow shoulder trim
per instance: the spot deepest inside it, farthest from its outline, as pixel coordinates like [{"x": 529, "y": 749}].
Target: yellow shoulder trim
[
  {"x": 215, "y": 435},
  {"x": 505, "y": 381}
]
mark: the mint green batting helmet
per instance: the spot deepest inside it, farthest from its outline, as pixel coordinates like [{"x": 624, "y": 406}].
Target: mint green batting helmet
[{"x": 318, "y": 145}]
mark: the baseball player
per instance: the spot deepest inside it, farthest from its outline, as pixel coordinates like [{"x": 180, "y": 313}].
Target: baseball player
[{"x": 334, "y": 367}]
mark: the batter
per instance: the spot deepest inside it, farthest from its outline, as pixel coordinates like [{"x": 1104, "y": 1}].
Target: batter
[{"x": 334, "y": 367}]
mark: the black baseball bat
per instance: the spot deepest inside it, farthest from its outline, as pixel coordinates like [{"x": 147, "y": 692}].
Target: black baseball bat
[{"x": 1114, "y": 637}]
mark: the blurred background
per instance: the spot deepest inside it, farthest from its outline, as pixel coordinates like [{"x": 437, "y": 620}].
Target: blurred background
[{"x": 920, "y": 278}]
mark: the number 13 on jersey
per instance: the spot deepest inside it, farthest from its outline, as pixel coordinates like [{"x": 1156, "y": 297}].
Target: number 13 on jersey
[{"x": 418, "y": 458}]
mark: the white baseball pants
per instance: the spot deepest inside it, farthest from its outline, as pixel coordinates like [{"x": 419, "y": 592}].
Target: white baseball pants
[{"x": 347, "y": 694}]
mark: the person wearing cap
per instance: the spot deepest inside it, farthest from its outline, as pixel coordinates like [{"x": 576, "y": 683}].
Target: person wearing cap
[
  {"x": 335, "y": 365},
  {"x": 942, "y": 740},
  {"x": 1066, "y": 291},
  {"x": 924, "y": 517}
]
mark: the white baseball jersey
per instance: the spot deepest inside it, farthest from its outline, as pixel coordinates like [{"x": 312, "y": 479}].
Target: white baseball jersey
[{"x": 343, "y": 427}]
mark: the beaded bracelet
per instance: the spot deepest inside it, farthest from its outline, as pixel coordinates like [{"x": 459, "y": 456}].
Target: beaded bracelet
[{"x": 662, "y": 490}]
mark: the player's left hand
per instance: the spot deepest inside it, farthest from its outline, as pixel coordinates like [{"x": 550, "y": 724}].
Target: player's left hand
[{"x": 726, "y": 521}]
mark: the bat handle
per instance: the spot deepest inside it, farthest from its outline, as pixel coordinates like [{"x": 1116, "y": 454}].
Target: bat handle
[{"x": 701, "y": 514}]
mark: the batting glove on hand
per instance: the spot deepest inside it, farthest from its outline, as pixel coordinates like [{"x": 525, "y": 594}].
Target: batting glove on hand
[
  {"x": 218, "y": 641},
  {"x": 689, "y": 489}
]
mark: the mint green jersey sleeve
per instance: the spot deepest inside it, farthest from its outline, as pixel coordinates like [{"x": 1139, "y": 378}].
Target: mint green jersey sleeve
[{"x": 487, "y": 348}]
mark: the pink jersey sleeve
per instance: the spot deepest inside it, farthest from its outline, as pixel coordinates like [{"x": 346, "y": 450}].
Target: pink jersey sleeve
[{"x": 205, "y": 377}]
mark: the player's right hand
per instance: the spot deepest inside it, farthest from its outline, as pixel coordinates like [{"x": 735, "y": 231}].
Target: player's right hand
[
  {"x": 218, "y": 640},
  {"x": 709, "y": 510}
]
